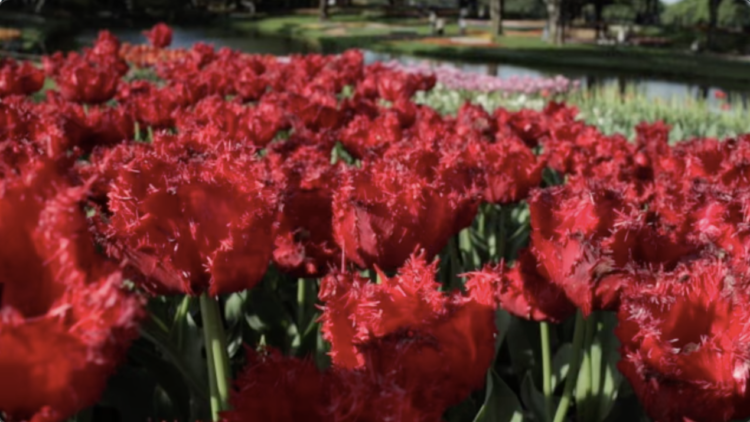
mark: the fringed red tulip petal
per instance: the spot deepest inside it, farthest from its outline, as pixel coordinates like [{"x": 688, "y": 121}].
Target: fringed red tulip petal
[
  {"x": 683, "y": 338},
  {"x": 406, "y": 325},
  {"x": 522, "y": 291},
  {"x": 196, "y": 225},
  {"x": 65, "y": 321}
]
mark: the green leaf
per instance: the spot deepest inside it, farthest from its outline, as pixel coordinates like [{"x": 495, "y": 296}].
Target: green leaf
[
  {"x": 678, "y": 132},
  {"x": 500, "y": 402},
  {"x": 712, "y": 131},
  {"x": 561, "y": 364},
  {"x": 234, "y": 307},
  {"x": 322, "y": 359},
  {"x": 584, "y": 397},
  {"x": 189, "y": 360},
  {"x": 234, "y": 341},
  {"x": 265, "y": 302},
  {"x": 519, "y": 347},
  {"x": 469, "y": 252},
  {"x": 130, "y": 392},
  {"x": 532, "y": 398},
  {"x": 502, "y": 322},
  {"x": 339, "y": 152},
  {"x": 306, "y": 341},
  {"x": 166, "y": 376},
  {"x": 611, "y": 376}
]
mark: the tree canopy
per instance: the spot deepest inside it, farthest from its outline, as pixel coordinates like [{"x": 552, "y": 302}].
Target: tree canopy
[{"x": 732, "y": 13}]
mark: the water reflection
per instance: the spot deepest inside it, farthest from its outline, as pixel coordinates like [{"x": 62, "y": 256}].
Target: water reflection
[
  {"x": 186, "y": 37},
  {"x": 652, "y": 88}
]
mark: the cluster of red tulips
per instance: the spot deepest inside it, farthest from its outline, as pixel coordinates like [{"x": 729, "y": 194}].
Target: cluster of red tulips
[{"x": 321, "y": 167}]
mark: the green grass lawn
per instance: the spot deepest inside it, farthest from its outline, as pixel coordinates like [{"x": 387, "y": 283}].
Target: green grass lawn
[{"x": 523, "y": 50}]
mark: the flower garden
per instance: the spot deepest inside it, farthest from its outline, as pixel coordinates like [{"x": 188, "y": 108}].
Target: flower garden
[{"x": 207, "y": 235}]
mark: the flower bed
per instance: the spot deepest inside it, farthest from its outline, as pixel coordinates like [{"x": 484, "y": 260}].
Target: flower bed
[
  {"x": 250, "y": 238},
  {"x": 453, "y": 78}
]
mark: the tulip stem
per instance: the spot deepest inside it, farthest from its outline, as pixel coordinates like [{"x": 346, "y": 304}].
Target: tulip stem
[
  {"x": 216, "y": 355},
  {"x": 501, "y": 236},
  {"x": 177, "y": 332},
  {"x": 596, "y": 369},
  {"x": 583, "y": 387},
  {"x": 212, "y": 387},
  {"x": 572, "y": 378},
  {"x": 546, "y": 368},
  {"x": 301, "y": 296},
  {"x": 455, "y": 263},
  {"x": 373, "y": 275}
]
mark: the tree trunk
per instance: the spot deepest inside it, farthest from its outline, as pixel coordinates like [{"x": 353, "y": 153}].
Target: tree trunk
[
  {"x": 554, "y": 21},
  {"x": 497, "y": 7},
  {"x": 562, "y": 21},
  {"x": 702, "y": 93},
  {"x": 39, "y": 6},
  {"x": 653, "y": 11},
  {"x": 592, "y": 82},
  {"x": 323, "y": 9},
  {"x": 622, "y": 86},
  {"x": 473, "y": 8},
  {"x": 713, "y": 17},
  {"x": 598, "y": 8}
]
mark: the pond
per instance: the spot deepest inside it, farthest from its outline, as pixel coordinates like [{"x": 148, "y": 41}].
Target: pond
[{"x": 254, "y": 43}]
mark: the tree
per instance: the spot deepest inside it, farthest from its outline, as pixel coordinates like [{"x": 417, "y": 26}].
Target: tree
[
  {"x": 323, "y": 9},
  {"x": 598, "y": 8},
  {"x": 650, "y": 12},
  {"x": 496, "y": 15},
  {"x": 730, "y": 13},
  {"x": 713, "y": 18},
  {"x": 555, "y": 21}
]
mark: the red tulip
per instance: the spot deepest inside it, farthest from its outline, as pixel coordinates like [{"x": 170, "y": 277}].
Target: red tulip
[
  {"x": 304, "y": 243},
  {"x": 65, "y": 321},
  {"x": 406, "y": 325},
  {"x": 85, "y": 81},
  {"x": 388, "y": 208},
  {"x": 160, "y": 36},
  {"x": 474, "y": 118},
  {"x": 683, "y": 338},
  {"x": 23, "y": 79},
  {"x": 582, "y": 236},
  {"x": 149, "y": 105},
  {"x": 511, "y": 170},
  {"x": 285, "y": 389},
  {"x": 190, "y": 225},
  {"x": 275, "y": 388},
  {"x": 522, "y": 291},
  {"x": 106, "y": 44}
]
